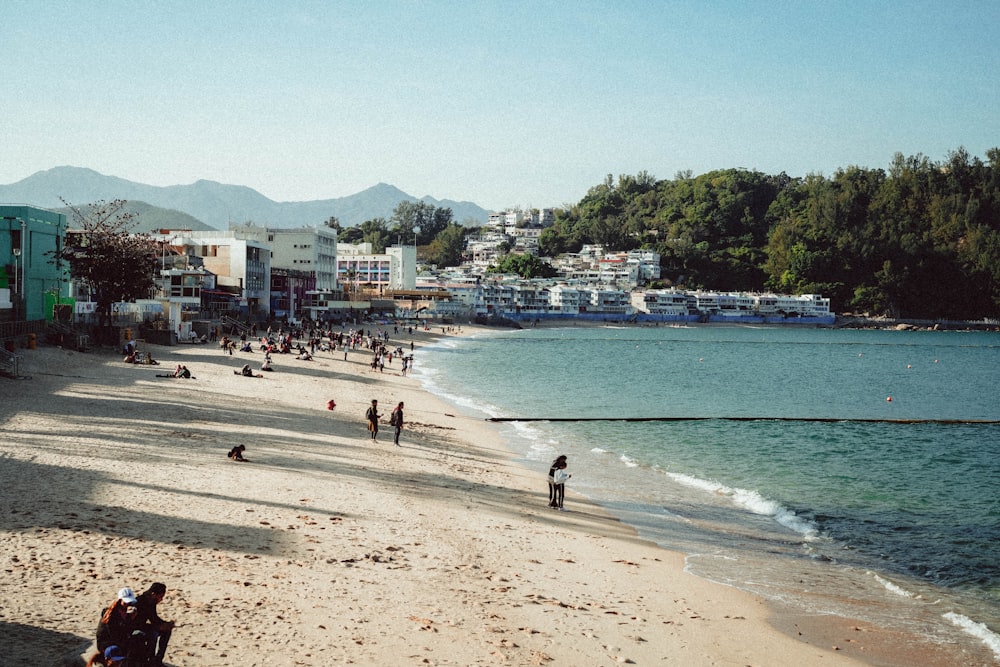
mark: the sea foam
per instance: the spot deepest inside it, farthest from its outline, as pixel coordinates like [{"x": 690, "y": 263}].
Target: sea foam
[
  {"x": 754, "y": 502},
  {"x": 977, "y": 630},
  {"x": 892, "y": 588}
]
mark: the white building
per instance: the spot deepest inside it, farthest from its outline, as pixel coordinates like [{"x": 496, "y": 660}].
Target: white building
[
  {"x": 241, "y": 265},
  {"x": 359, "y": 267},
  {"x": 312, "y": 249},
  {"x": 663, "y": 302}
]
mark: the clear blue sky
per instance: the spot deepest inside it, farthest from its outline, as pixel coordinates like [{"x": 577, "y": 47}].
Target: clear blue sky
[{"x": 500, "y": 103}]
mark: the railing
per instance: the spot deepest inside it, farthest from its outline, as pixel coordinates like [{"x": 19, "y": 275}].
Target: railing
[
  {"x": 10, "y": 363},
  {"x": 65, "y": 335},
  {"x": 234, "y": 325},
  {"x": 61, "y": 328},
  {"x": 18, "y": 329}
]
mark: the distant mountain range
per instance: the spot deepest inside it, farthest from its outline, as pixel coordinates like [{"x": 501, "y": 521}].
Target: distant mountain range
[{"x": 214, "y": 204}]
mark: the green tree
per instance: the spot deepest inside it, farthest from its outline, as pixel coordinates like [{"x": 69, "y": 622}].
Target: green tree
[
  {"x": 376, "y": 232},
  {"x": 420, "y": 220},
  {"x": 526, "y": 266},
  {"x": 446, "y": 248},
  {"x": 351, "y": 235}
]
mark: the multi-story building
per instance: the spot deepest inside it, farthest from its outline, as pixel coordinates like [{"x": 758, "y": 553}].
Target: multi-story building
[
  {"x": 303, "y": 264},
  {"x": 241, "y": 265},
  {"x": 359, "y": 269},
  {"x": 664, "y": 302},
  {"x": 305, "y": 249},
  {"x": 30, "y": 282}
]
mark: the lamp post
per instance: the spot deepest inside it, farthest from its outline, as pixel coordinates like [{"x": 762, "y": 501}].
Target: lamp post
[
  {"x": 20, "y": 289},
  {"x": 17, "y": 294}
]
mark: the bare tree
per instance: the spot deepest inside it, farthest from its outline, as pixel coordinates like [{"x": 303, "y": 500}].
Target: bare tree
[{"x": 102, "y": 252}]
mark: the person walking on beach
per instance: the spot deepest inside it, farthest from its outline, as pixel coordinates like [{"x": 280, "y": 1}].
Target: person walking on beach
[
  {"x": 372, "y": 416},
  {"x": 557, "y": 483},
  {"x": 396, "y": 420}
]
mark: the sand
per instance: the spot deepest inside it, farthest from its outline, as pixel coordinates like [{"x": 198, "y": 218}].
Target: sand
[{"x": 327, "y": 549}]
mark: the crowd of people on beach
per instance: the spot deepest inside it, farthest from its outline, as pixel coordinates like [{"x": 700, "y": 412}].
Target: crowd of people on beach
[{"x": 131, "y": 633}]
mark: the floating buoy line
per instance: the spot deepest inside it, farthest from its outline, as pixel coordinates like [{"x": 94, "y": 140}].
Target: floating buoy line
[{"x": 743, "y": 419}]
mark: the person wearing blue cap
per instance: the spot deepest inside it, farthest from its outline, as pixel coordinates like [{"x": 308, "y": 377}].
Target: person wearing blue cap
[{"x": 114, "y": 656}]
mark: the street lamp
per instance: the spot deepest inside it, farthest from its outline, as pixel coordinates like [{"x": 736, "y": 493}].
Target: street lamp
[
  {"x": 17, "y": 253},
  {"x": 17, "y": 295}
]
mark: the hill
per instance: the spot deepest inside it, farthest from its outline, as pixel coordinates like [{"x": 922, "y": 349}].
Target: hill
[
  {"x": 149, "y": 218},
  {"x": 218, "y": 204}
]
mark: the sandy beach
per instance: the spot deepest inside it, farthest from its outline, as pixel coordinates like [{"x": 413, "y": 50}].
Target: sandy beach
[{"x": 325, "y": 548}]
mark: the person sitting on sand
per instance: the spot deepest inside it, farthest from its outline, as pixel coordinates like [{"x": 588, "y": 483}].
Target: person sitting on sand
[
  {"x": 266, "y": 366},
  {"x": 113, "y": 656},
  {"x": 119, "y": 626},
  {"x": 304, "y": 355},
  {"x": 236, "y": 453},
  {"x": 247, "y": 372},
  {"x": 179, "y": 372},
  {"x": 157, "y": 629}
]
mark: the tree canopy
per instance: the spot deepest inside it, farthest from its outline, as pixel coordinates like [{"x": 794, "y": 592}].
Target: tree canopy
[
  {"x": 526, "y": 266},
  {"x": 919, "y": 240}
]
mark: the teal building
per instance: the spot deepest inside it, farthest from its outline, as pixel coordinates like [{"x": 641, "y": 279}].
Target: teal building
[{"x": 31, "y": 282}]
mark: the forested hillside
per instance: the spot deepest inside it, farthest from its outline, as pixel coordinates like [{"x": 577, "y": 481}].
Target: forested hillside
[{"x": 921, "y": 240}]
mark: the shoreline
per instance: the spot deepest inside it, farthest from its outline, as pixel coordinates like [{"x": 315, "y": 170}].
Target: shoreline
[
  {"x": 902, "y": 647},
  {"x": 325, "y": 549},
  {"x": 866, "y": 325}
]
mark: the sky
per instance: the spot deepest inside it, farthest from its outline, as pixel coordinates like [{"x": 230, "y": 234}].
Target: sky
[{"x": 500, "y": 103}]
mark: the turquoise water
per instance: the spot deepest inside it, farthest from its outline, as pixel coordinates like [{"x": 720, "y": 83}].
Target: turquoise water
[{"x": 904, "y": 516}]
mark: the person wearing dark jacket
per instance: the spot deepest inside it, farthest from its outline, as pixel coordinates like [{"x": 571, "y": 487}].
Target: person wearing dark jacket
[
  {"x": 396, "y": 420},
  {"x": 372, "y": 416},
  {"x": 157, "y": 630},
  {"x": 556, "y": 491},
  {"x": 119, "y": 626}
]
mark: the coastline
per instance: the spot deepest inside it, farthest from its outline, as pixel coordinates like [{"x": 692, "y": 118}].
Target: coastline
[{"x": 328, "y": 549}]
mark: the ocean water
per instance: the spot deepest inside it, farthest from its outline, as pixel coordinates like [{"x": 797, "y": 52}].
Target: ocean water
[{"x": 773, "y": 457}]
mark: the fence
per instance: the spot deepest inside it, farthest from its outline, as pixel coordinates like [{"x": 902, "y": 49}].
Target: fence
[{"x": 10, "y": 363}]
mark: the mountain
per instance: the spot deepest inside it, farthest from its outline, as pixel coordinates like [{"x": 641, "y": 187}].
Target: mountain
[
  {"x": 148, "y": 218},
  {"x": 218, "y": 204}
]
